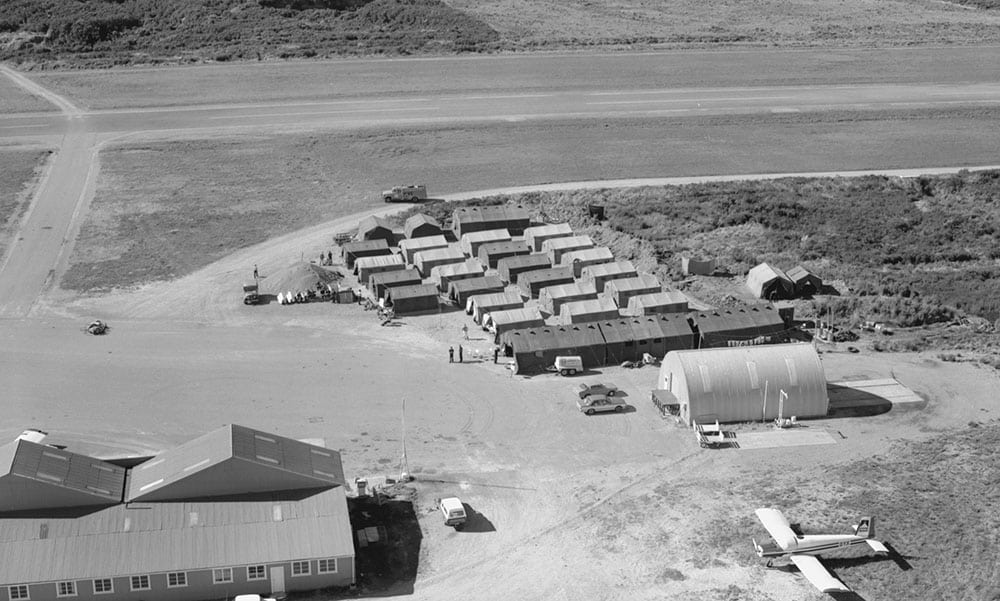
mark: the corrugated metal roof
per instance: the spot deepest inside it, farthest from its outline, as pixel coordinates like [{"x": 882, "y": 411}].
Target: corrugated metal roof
[
  {"x": 415, "y": 291},
  {"x": 234, "y": 460},
  {"x": 146, "y": 538},
  {"x": 39, "y": 476}
]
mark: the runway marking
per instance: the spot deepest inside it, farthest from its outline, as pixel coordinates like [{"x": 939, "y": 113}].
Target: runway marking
[
  {"x": 695, "y": 100},
  {"x": 318, "y": 113},
  {"x": 23, "y": 126},
  {"x": 500, "y": 97}
]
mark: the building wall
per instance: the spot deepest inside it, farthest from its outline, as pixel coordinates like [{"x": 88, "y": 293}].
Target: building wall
[{"x": 199, "y": 585}]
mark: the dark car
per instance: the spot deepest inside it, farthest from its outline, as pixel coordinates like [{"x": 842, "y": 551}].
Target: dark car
[{"x": 603, "y": 389}]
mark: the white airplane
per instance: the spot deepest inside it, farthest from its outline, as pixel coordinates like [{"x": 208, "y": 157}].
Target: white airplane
[{"x": 802, "y": 549}]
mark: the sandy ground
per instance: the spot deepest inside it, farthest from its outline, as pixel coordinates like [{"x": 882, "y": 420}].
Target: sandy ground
[{"x": 574, "y": 507}]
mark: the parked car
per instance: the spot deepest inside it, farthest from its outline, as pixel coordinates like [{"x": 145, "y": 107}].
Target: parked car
[
  {"x": 605, "y": 389},
  {"x": 597, "y": 403},
  {"x": 453, "y": 512}
]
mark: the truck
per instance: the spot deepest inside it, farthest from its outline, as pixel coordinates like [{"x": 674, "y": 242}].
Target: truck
[
  {"x": 251, "y": 295},
  {"x": 453, "y": 512},
  {"x": 405, "y": 193}
]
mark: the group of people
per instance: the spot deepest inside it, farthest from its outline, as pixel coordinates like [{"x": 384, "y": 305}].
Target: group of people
[{"x": 451, "y": 354}]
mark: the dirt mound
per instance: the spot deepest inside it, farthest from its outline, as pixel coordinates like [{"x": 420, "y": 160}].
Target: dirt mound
[{"x": 299, "y": 277}]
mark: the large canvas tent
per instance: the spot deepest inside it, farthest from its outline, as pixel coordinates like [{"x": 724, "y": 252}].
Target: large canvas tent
[
  {"x": 552, "y": 298},
  {"x": 741, "y": 327},
  {"x": 578, "y": 259},
  {"x": 411, "y": 246},
  {"x": 622, "y": 290},
  {"x": 478, "y": 305},
  {"x": 582, "y": 311},
  {"x": 605, "y": 272},
  {"x": 536, "y": 349},
  {"x": 530, "y": 283},
  {"x": 426, "y": 260},
  {"x": 491, "y": 252},
  {"x": 477, "y": 219},
  {"x": 535, "y": 236},
  {"x": 746, "y": 383},
  {"x": 770, "y": 283},
  {"x": 502, "y": 320},
  {"x": 557, "y": 247},
  {"x": 667, "y": 301},
  {"x": 470, "y": 243},
  {"x": 366, "y": 266},
  {"x": 420, "y": 226},
  {"x": 693, "y": 266},
  {"x": 406, "y": 300},
  {"x": 374, "y": 228},
  {"x": 804, "y": 282},
  {"x": 444, "y": 275},
  {"x": 459, "y": 291},
  {"x": 392, "y": 279},
  {"x": 631, "y": 338},
  {"x": 510, "y": 267},
  {"x": 353, "y": 251}
]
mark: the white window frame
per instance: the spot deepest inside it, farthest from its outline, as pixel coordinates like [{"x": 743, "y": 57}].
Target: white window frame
[
  {"x": 111, "y": 586},
  {"x": 18, "y": 587},
  {"x": 180, "y": 577},
  {"x": 71, "y": 585},
  {"x": 329, "y": 561},
  {"x": 308, "y": 571},
  {"x": 222, "y": 575},
  {"x": 262, "y": 576},
  {"x": 132, "y": 586}
]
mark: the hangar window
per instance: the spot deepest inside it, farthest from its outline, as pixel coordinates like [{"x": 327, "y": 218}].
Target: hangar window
[
  {"x": 630, "y": 343},
  {"x": 793, "y": 376},
  {"x": 18, "y": 591},
  {"x": 754, "y": 379},
  {"x": 66, "y": 589},
  {"x": 140, "y": 583},
  {"x": 327, "y": 566},
  {"x": 643, "y": 343},
  {"x": 222, "y": 575},
  {"x": 706, "y": 380},
  {"x": 176, "y": 579},
  {"x": 103, "y": 586},
  {"x": 657, "y": 340}
]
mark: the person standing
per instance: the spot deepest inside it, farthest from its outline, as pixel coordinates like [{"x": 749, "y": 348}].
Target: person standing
[
  {"x": 460, "y": 353},
  {"x": 465, "y": 331},
  {"x": 451, "y": 354},
  {"x": 255, "y": 271},
  {"x": 496, "y": 353}
]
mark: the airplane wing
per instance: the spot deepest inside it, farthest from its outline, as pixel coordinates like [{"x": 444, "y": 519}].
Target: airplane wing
[
  {"x": 778, "y": 527},
  {"x": 816, "y": 574},
  {"x": 877, "y": 546}
]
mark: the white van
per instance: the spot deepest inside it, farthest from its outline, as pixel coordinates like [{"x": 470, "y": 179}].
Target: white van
[
  {"x": 569, "y": 365},
  {"x": 453, "y": 512}
]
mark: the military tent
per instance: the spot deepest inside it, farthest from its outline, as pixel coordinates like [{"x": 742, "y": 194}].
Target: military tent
[
  {"x": 740, "y": 327},
  {"x": 511, "y": 267},
  {"x": 477, "y": 219},
  {"x": 420, "y": 226},
  {"x": 578, "y": 259},
  {"x": 770, "y": 283},
  {"x": 459, "y": 291},
  {"x": 411, "y": 246},
  {"x": 418, "y": 298},
  {"x": 668, "y": 301},
  {"x": 622, "y": 290},
  {"x": 531, "y": 282},
  {"x": 470, "y": 243},
  {"x": 552, "y": 298},
  {"x": 375, "y": 228},
  {"x": 536, "y": 349},
  {"x": 697, "y": 266},
  {"x": 478, "y": 305},
  {"x": 746, "y": 384},
  {"x": 630, "y": 338},
  {"x": 605, "y": 272},
  {"x": 426, "y": 260},
  {"x": 557, "y": 247},
  {"x": 352, "y": 251},
  {"x": 378, "y": 282},
  {"x": 535, "y": 236},
  {"x": 444, "y": 275},
  {"x": 366, "y": 266},
  {"x": 500, "y": 321},
  {"x": 583, "y": 311},
  {"x": 804, "y": 282},
  {"x": 491, "y": 252}
]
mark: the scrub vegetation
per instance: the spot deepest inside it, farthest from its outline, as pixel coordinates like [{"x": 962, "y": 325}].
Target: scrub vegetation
[
  {"x": 18, "y": 177},
  {"x": 116, "y": 32}
]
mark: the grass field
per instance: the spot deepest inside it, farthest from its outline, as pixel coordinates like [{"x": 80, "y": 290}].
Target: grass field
[
  {"x": 17, "y": 178},
  {"x": 163, "y": 210},
  {"x": 15, "y": 100}
]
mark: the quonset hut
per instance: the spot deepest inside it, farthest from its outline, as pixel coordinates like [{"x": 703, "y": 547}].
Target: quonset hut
[{"x": 746, "y": 383}]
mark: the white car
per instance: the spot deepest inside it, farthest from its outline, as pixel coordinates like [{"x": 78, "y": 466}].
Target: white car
[{"x": 597, "y": 403}]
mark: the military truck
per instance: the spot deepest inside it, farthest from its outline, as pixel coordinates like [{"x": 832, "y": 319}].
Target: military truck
[
  {"x": 251, "y": 295},
  {"x": 405, "y": 193}
]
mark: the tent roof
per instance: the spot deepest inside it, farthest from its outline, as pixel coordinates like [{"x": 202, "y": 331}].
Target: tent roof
[
  {"x": 567, "y": 242},
  {"x": 494, "y": 213},
  {"x": 636, "y": 328},
  {"x": 658, "y": 299},
  {"x": 799, "y": 273},
  {"x": 414, "y": 221},
  {"x": 364, "y": 262},
  {"x": 371, "y": 222},
  {"x": 758, "y": 321},
  {"x": 452, "y": 269},
  {"x": 483, "y": 283},
  {"x": 486, "y": 236},
  {"x": 415, "y": 244},
  {"x": 365, "y": 245},
  {"x": 530, "y": 340},
  {"x": 587, "y": 307},
  {"x": 543, "y": 275},
  {"x": 437, "y": 254},
  {"x": 565, "y": 290},
  {"x": 598, "y": 253},
  {"x": 522, "y": 315},
  {"x": 503, "y": 247},
  {"x": 640, "y": 282},
  {"x": 532, "y": 260},
  {"x": 761, "y": 275},
  {"x": 605, "y": 269},
  {"x": 400, "y": 275},
  {"x": 552, "y": 229},
  {"x": 496, "y": 299},
  {"x": 414, "y": 291}
]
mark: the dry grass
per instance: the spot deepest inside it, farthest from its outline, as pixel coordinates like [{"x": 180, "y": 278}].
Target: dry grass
[{"x": 18, "y": 177}]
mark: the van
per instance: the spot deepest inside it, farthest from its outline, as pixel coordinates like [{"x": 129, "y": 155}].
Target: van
[
  {"x": 569, "y": 365},
  {"x": 453, "y": 512}
]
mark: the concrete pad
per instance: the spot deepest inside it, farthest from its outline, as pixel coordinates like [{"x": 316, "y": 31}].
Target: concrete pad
[
  {"x": 863, "y": 393},
  {"x": 792, "y": 437}
]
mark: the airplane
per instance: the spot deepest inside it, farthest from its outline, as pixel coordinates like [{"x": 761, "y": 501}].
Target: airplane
[{"x": 802, "y": 549}]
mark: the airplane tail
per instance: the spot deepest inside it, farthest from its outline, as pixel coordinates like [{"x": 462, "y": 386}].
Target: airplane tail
[{"x": 865, "y": 527}]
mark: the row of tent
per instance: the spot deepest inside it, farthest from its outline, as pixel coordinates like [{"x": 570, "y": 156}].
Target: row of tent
[
  {"x": 464, "y": 220},
  {"x": 620, "y": 339},
  {"x": 768, "y": 282}
]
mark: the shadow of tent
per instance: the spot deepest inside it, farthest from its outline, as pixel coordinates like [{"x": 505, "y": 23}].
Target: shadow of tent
[
  {"x": 388, "y": 566},
  {"x": 851, "y": 402},
  {"x": 475, "y": 521}
]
